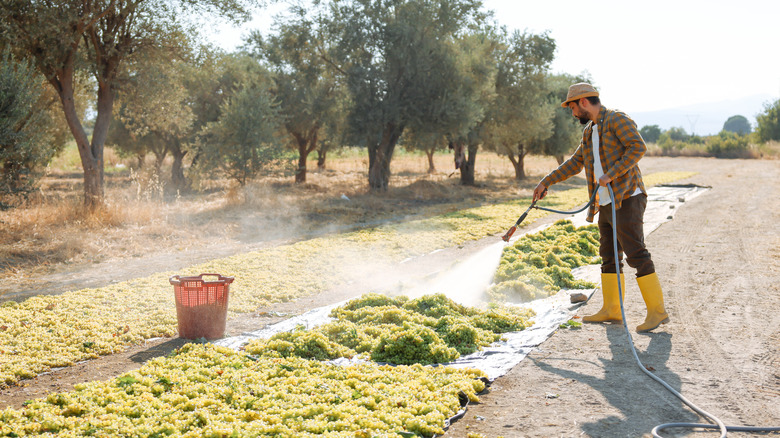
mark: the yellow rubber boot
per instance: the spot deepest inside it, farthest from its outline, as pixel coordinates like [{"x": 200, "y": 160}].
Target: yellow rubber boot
[
  {"x": 654, "y": 300},
  {"x": 610, "y": 311}
]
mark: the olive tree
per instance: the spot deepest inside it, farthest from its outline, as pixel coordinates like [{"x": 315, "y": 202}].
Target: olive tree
[
  {"x": 243, "y": 140},
  {"x": 307, "y": 90},
  {"x": 521, "y": 117},
  {"x": 154, "y": 114},
  {"x": 471, "y": 91},
  {"x": 478, "y": 56},
  {"x": 24, "y": 148},
  {"x": 67, "y": 37},
  {"x": 566, "y": 130},
  {"x": 399, "y": 62}
]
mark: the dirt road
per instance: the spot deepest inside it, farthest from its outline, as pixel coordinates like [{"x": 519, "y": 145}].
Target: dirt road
[{"x": 719, "y": 264}]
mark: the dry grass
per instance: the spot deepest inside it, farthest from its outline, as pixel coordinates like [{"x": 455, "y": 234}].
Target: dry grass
[
  {"x": 765, "y": 151},
  {"x": 52, "y": 231},
  {"x": 770, "y": 150}
]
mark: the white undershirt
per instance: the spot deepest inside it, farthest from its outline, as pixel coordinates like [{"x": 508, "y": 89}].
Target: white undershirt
[{"x": 604, "y": 198}]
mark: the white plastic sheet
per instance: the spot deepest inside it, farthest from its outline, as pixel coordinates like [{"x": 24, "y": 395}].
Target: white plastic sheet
[{"x": 497, "y": 359}]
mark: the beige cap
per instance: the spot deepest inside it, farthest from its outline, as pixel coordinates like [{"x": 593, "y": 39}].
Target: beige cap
[{"x": 578, "y": 91}]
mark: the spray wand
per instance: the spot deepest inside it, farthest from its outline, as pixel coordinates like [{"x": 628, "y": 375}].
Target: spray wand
[{"x": 512, "y": 230}]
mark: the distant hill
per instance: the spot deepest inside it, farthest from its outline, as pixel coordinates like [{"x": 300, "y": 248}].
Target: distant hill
[{"x": 706, "y": 118}]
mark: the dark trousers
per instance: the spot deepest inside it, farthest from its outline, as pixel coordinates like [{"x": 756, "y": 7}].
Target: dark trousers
[{"x": 630, "y": 235}]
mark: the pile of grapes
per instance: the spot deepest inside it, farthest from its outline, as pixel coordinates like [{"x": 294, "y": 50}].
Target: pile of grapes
[
  {"x": 427, "y": 330},
  {"x": 539, "y": 265},
  {"x": 208, "y": 391}
]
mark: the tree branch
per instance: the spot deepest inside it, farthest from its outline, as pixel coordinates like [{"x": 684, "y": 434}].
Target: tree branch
[{"x": 329, "y": 61}]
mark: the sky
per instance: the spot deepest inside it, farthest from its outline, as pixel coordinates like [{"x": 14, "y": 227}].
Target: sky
[{"x": 643, "y": 56}]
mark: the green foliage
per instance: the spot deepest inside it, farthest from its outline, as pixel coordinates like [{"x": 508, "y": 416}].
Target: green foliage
[
  {"x": 539, "y": 264},
  {"x": 650, "y": 133},
  {"x": 24, "y": 148},
  {"x": 469, "y": 98},
  {"x": 738, "y": 125},
  {"x": 566, "y": 130},
  {"x": 675, "y": 141},
  {"x": 730, "y": 145},
  {"x": 726, "y": 144},
  {"x": 521, "y": 117},
  {"x": 154, "y": 111},
  {"x": 675, "y": 133},
  {"x": 400, "y": 63},
  {"x": 309, "y": 94},
  {"x": 69, "y": 38},
  {"x": 243, "y": 140},
  {"x": 769, "y": 122}
]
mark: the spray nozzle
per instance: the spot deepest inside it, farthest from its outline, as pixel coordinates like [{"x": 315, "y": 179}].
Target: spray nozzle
[
  {"x": 509, "y": 233},
  {"x": 512, "y": 230}
]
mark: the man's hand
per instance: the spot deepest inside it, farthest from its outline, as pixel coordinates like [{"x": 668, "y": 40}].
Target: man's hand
[
  {"x": 540, "y": 192},
  {"x": 604, "y": 180}
]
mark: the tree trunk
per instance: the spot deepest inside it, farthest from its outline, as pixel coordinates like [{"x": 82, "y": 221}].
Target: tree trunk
[
  {"x": 91, "y": 154},
  {"x": 105, "y": 107},
  {"x": 431, "y": 166},
  {"x": 379, "y": 156},
  {"x": 300, "y": 174},
  {"x": 321, "y": 153},
  {"x": 465, "y": 158},
  {"x": 468, "y": 166},
  {"x": 158, "y": 162},
  {"x": 459, "y": 153},
  {"x": 177, "y": 168},
  {"x": 520, "y": 163},
  {"x": 306, "y": 145},
  {"x": 301, "y": 142},
  {"x": 559, "y": 159},
  {"x": 519, "y": 167},
  {"x": 140, "y": 158}
]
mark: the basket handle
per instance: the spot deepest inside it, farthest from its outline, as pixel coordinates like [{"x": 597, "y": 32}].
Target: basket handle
[
  {"x": 176, "y": 279},
  {"x": 220, "y": 278}
]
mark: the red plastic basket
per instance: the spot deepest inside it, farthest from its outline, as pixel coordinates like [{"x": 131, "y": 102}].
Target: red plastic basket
[{"x": 201, "y": 305}]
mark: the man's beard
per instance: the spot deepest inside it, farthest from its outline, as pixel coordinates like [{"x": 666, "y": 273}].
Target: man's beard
[{"x": 583, "y": 120}]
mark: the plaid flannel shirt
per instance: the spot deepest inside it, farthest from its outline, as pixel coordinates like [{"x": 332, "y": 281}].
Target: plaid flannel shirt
[{"x": 620, "y": 148}]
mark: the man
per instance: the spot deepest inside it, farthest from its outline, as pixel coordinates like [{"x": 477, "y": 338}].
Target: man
[{"x": 609, "y": 151}]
